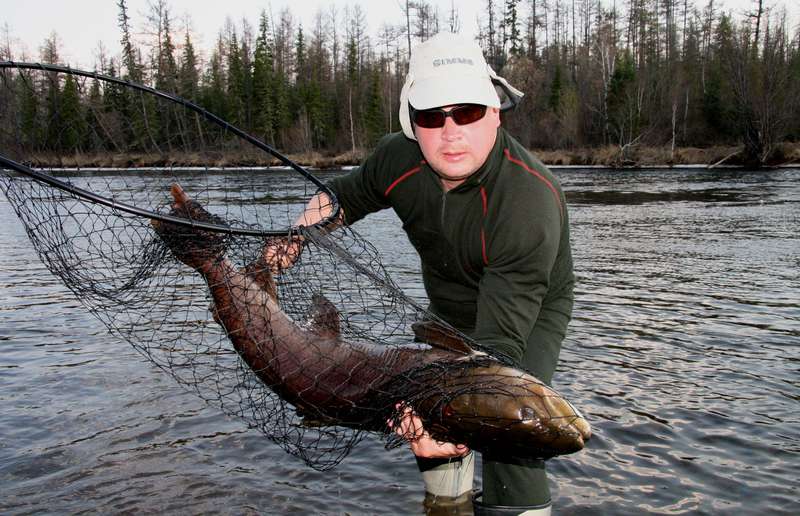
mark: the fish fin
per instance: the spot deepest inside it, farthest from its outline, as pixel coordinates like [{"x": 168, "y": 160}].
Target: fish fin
[
  {"x": 440, "y": 335},
  {"x": 324, "y": 317}
]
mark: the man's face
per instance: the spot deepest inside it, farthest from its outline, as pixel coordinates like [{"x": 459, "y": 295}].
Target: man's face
[{"x": 456, "y": 151}]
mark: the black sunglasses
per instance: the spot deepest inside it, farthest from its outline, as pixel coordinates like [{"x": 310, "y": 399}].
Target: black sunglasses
[{"x": 435, "y": 118}]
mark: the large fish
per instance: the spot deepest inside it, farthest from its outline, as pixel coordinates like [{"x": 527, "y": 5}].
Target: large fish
[{"x": 462, "y": 395}]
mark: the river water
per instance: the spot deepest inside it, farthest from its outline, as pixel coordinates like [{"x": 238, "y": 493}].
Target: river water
[{"x": 684, "y": 354}]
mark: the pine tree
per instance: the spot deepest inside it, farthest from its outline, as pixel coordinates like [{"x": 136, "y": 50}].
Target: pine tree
[
  {"x": 554, "y": 100},
  {"x": 263, "y": 80},
  {"x": 235, "y": 84},
  {"x": 73, "y": 122},
  {"x": 129, "y": 59},
  {"x": 511, "y": 23},
  {"x": 163, "y": 123},
  {"x": 213, "y": 91},
  {"x": 280, "y": 102},
  {"x": 188, "y": 75},
  {"x": 115, "y": 128},
  {"x": 622, "y": 101},
  {"x": 94, "y": 137},
  {"x": 30, "y": 123},
  {"x": 53, "y": 112},
  {"x": 166, "y": 65},
  {"x": 134, "y": 121},
  {"x": 247, "y": 94},
  {"x": 718, "y": 100},
  {"x": 320, "y": 90},
  {"x": 317, "y": 114},
  {"x": 283, "y": 43},
  {"x": 299, "y": 96},
  {"x": 374, "y": 125}
]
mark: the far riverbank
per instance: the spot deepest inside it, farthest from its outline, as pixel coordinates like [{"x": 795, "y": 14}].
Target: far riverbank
[{"x": 642, "y": 157}]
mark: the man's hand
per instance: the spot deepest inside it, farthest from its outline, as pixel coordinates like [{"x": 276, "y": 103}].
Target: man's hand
[
  {"x": 281, "y": 253},
  {"x": 422, "y": 444}
]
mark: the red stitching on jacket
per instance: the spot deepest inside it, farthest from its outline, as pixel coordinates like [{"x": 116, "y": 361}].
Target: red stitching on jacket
[
  {"x": 538, "y": 175},
  {"x": 403, "y": 178}
]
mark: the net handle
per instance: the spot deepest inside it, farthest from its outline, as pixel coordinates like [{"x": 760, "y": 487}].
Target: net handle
[{"x": 98, "y": 199}]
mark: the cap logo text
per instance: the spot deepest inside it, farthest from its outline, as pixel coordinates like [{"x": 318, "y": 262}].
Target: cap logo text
[{"x": 452, "y": 60}]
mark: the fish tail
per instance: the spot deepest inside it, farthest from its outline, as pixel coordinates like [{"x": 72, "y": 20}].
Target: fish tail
[{"x": 197, "y": 248}]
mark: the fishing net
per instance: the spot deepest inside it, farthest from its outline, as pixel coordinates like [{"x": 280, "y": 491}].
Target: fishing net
[{"x": 197, "y": 279}]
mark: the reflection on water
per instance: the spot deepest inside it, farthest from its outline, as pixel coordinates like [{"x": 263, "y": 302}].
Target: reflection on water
[{"x": 683, "y": 353}]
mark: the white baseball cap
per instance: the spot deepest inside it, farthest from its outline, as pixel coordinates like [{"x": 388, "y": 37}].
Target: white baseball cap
[{"x": 449, "y": 69}]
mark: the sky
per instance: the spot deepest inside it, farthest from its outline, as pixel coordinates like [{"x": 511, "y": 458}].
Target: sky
[
  {"x": 81, "y": 24},
  {"x": 30, "y": 22}
]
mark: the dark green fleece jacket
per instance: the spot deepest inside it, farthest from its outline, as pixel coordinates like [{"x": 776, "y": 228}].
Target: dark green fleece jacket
[{"x": 495, "y": 250}]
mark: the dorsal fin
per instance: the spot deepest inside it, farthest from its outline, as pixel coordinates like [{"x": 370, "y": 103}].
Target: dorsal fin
[
  {"x": 440, "y": 335},
  {"x": 323, "y": 317}
]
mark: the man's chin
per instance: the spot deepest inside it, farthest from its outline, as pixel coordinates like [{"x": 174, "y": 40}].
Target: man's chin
[{"x": 454, "y": 172}]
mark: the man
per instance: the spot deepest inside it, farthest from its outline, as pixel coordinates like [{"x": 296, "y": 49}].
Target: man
[{"x": 490, "y": 225}]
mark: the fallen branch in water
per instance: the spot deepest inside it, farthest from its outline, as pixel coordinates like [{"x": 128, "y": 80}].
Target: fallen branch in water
[{"x": 726, "y": 158}]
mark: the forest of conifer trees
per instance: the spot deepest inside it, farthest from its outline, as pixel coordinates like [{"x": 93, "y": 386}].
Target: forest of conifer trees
[{"x": 597, "y": 74}]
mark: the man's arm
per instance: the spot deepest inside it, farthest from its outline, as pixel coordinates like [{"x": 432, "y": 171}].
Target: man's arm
[
  {"x": 523, "y": 247},
  {"x": 359, "y": 193},
  {"x": 319, "y": 208}
]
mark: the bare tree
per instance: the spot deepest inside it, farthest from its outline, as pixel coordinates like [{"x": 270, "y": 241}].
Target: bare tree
[
  {"x": 6, "y": 52},
  {"x": 755, "y": 16},
  {"x": 333, "y": 29},
  {"x": 761, "y": 87},
  {"x": 605, "y": 57},
  {"x": 453, "y": 20}
]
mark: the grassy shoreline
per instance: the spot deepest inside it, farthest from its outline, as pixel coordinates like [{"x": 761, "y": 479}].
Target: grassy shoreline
[{"x": 607, "y": 157}]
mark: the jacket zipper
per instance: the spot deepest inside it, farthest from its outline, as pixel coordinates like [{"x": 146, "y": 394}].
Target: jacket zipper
[{"x": 444, "y": 207}]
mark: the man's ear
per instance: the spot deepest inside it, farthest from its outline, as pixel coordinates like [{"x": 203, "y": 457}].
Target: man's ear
[{"x": 496, "y": 114}]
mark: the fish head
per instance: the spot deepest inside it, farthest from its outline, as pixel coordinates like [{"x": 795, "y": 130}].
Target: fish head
[{"x": 506, "y": 411}]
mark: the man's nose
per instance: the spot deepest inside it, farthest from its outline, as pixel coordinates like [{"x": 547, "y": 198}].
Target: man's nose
[{"x": 450, "y": 130}]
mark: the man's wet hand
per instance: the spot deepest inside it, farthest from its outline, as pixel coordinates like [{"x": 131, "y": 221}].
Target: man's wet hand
[
  {"x": 422, "y": 444},
  {"x": 282, "y": 253}
]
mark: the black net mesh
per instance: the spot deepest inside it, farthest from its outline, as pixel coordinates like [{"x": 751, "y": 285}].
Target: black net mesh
[{"x": 313, "y": 355}]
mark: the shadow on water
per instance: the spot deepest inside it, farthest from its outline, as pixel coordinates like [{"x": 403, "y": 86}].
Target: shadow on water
[
  {"x": 711, "y": 195},
  {"x": 683, "y": 353}
]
